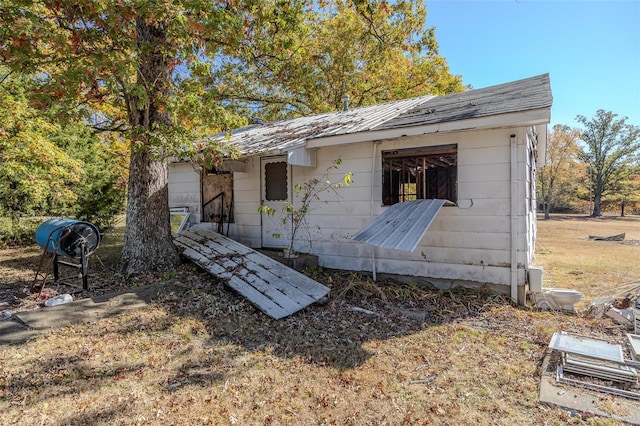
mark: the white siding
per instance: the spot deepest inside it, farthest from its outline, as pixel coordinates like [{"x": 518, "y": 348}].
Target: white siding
[
  {"x": 531, "y": 199},
  {"x": 468, "y": 242},
  {"x": 184, "y": 189},
  {"x": 246, "y": 202}
]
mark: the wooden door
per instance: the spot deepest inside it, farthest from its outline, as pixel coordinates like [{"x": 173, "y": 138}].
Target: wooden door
[{"x": 217, "y": 197}]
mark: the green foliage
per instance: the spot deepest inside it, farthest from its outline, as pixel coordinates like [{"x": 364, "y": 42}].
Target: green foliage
[
  {"x": 17, "y": 231},
  {"x": 51, "y": 170},
  {"x": 610, "y": 148},
  {"x": 37, "y": 177},
  {"x": 625, "y": 195},
  {"x": 313, "y": 271},
  {"x": 302, "y": 59},
  {"x": 134, "y": 67},
  {"x": 165, "y": 74},
  {"x": 131, "y": 67},
  {"x": 101, "y": 191}
]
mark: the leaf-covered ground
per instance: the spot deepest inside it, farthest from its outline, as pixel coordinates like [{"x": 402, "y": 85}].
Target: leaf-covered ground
[{"x": 373, "y": 354}]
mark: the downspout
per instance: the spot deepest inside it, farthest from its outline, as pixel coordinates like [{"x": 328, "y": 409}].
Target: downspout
[
  {"x": 373, "y": 173},
  {"x": 514, "y": 219},
  {"x": 291, "y": 195}
]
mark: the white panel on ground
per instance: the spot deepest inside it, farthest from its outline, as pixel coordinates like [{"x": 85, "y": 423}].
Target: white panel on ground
[{"x": 272, "y": 287}]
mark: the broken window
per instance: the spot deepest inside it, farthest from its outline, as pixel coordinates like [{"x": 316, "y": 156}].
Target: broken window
[{"x": 420, "y": 173}]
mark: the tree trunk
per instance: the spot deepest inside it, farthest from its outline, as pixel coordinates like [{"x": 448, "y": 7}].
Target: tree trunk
[
  {"x": 546, "y": 208},
  {"x": 596, "y": 205},
  {"x": 148, "y": 245},
  {"x": 622, "y": 209}
]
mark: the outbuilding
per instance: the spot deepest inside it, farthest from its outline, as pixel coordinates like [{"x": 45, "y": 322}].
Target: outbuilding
[{"x": 471, "y": 158}]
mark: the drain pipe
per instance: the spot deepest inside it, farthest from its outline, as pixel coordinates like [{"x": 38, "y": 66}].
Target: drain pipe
[
  {"x": 373, "y": 173},
  {"x": 514, "y": 219}
]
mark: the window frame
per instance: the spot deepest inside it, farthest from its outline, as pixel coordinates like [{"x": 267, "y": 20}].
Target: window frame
[
  {"x": 404, "y": 179},
  {"x": 276, "y": 178}
]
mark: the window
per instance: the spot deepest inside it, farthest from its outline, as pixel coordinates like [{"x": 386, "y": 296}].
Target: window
[
  {"x": 276, "y": 181},
  {"x": 420, "y": 173}
]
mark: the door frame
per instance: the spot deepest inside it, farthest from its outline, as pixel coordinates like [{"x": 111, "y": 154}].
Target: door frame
[{"x": 266, "y": 240}]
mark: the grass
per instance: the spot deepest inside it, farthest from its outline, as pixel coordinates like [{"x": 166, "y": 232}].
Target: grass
[
  {"x": 203, "y": 355},
  {"x": 596, "y": 268}
]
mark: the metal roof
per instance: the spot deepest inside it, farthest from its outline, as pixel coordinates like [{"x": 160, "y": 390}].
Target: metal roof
[
  {"x": 286, "y": 135},
  {"x": 401, "y": 226},
  {"x": 289, "y": 134},
  {"x": 522, "y": 95}
]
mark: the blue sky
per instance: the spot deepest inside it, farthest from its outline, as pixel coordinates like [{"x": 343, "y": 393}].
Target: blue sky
[{"x": 591, "y": 49}]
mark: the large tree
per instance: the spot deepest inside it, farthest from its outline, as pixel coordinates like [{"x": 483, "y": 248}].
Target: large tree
[
  {"x": 164, "y": 74},
  {"x": 115, "y": 63},
  {"x": 373, "y": 51},
  {"x": 559, "y": 178},
  {"x": 610, "y": 147}
]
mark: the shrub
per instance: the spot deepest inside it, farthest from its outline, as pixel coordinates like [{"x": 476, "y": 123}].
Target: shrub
[{"x": 18, "y": 231}]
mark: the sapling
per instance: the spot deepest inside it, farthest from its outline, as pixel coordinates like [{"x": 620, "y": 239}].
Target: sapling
[{"x": 296, "y": 211}]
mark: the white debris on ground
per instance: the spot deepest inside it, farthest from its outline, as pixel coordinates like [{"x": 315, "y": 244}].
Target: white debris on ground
[{"x": 623, "y": 308}]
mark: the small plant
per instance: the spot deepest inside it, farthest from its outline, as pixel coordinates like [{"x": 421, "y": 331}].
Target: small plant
[
  {"x": 313, "y": 271},
  {"x": 169, "y": 275},
  {"x": 296, "y": 211}
]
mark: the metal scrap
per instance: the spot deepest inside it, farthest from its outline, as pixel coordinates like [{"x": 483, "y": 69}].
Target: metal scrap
[
  {"x": 617, "y": 237},
  {"x": 593, "y": 386},
  {"x": 597, "y": 359}
]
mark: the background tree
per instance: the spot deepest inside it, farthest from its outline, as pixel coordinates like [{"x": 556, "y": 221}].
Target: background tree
[
  {"x": 610, "y": 147},
  {"x": 37, "y": 177},
  {"x": 559, "y": 179},
  {"x": 374, "y": 51},
  {"x": 100, "y": 193},
  {"x": 52, "y": 170},
  {"x": 625, "y": 193}
]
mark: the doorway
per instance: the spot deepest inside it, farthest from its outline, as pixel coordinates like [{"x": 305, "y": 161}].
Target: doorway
[
  {"x": 217, "y": 198},
  {"x": 274, "y": 193}
]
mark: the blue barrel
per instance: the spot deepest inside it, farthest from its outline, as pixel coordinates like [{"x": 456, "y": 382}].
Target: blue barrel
[{"x": 68, "y": 237}]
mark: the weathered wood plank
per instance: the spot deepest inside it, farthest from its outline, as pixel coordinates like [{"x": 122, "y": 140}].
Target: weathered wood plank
[
  {"x": 260, "y": 300},
  {"x": 213, "y": 236},
  {"x": 297, "y": 285},
  {"x": 226, "y": 268},
  {"x": 264, "y": 264},
  {"x": 300, "y": 282},
  {"x": 274, "y": 288},
  {"x": 264, "y": 277}
]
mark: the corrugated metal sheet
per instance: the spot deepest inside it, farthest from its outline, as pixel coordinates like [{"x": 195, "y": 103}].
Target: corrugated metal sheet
[
  {"x": 281, "y": 136},
  {"x": 401, "y": 226}
]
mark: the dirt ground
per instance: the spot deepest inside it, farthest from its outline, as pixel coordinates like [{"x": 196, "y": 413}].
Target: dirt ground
[
  {"x": 374, "y": 353},
  {"x": 18, "y": 277},
  {"x": 18, "y": 268}
]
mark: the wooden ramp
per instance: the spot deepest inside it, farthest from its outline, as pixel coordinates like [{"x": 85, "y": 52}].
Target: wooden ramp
[{"x": 274, "y": 288}]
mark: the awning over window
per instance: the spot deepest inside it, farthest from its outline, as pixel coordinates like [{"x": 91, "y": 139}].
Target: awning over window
[{"x": 401, "y": 226}]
